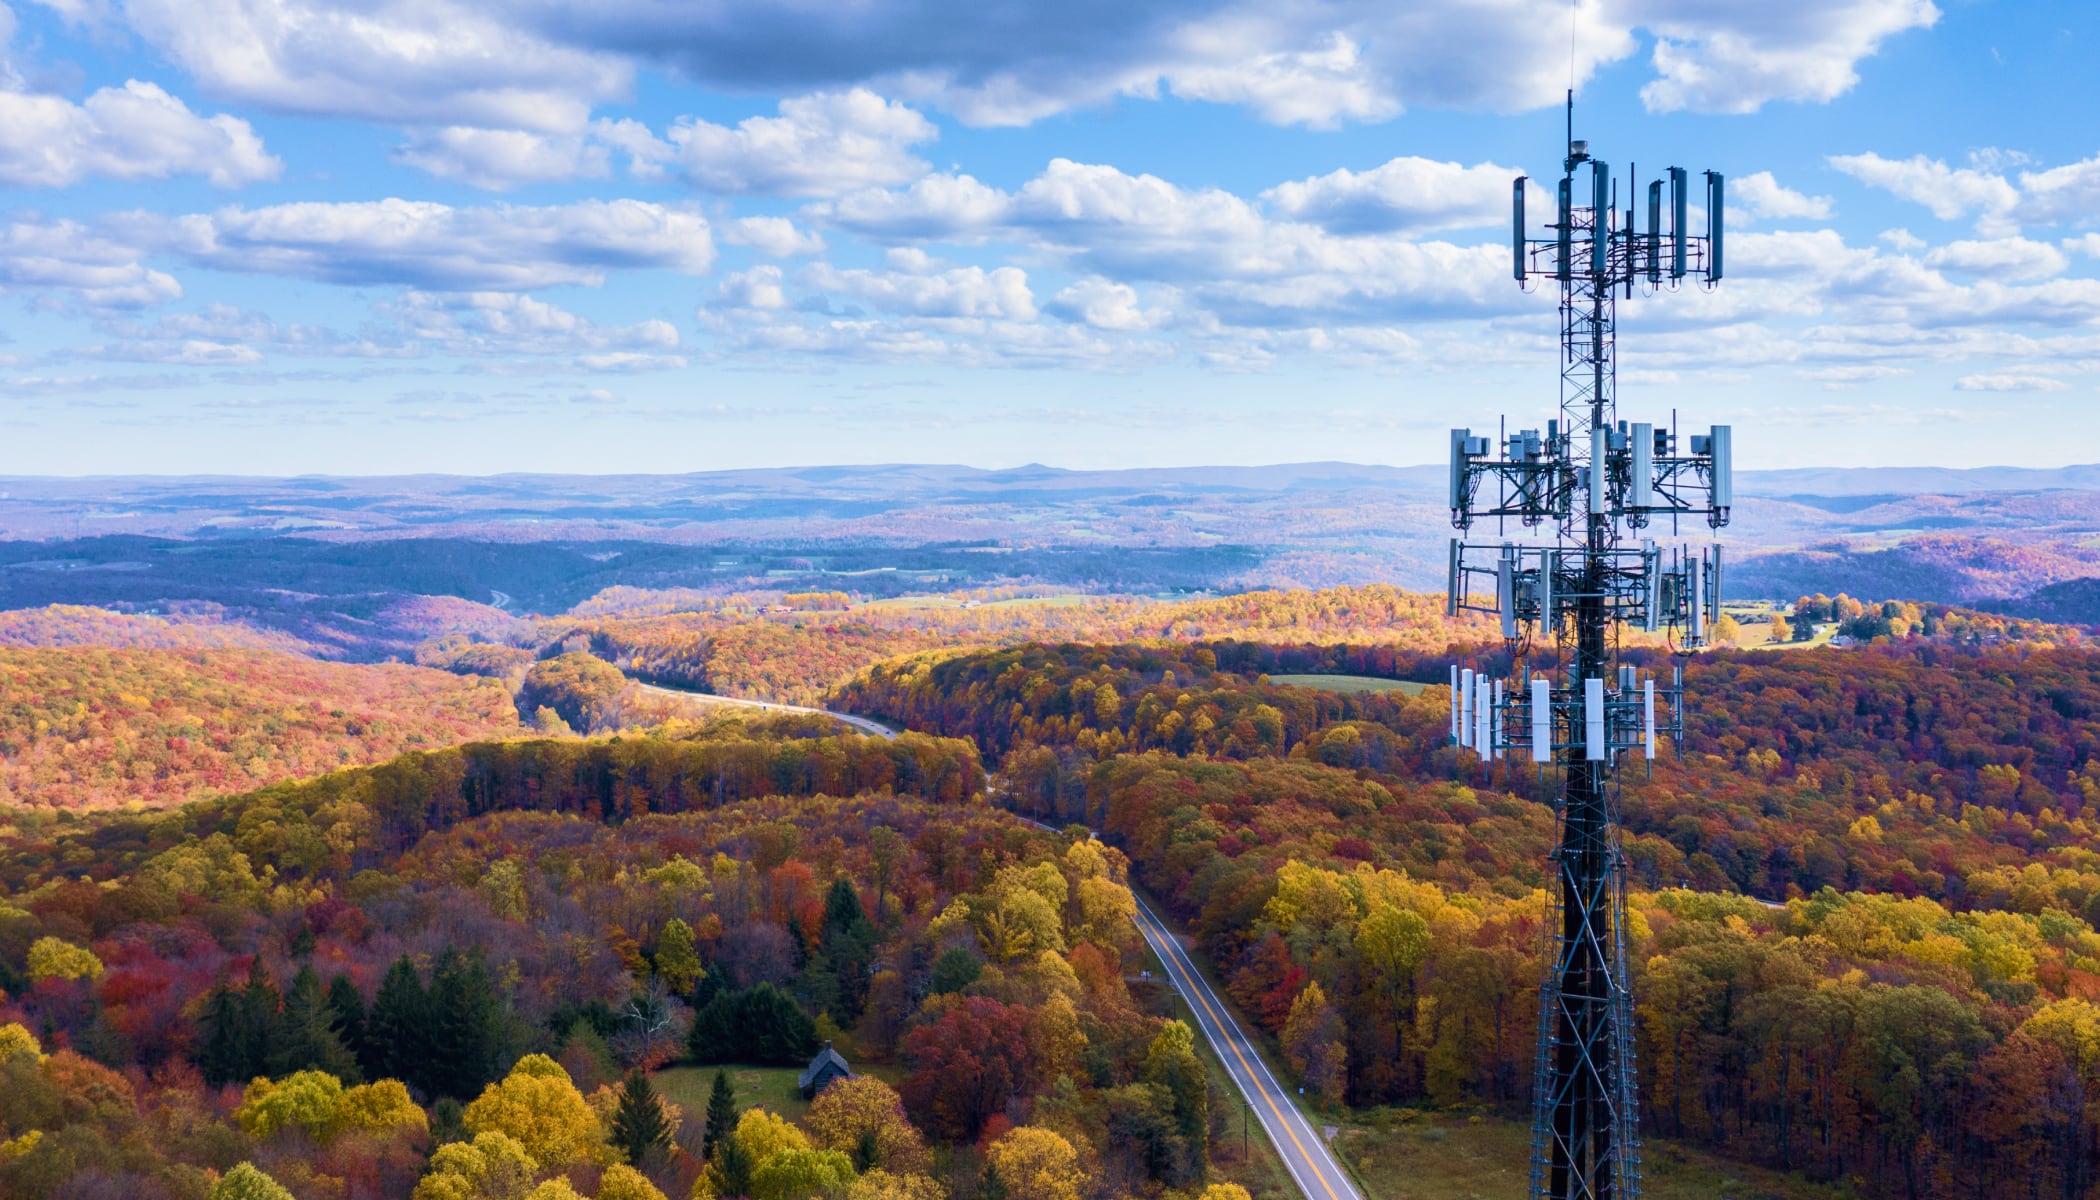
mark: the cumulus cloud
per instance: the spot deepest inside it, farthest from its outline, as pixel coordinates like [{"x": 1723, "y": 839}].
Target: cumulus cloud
[
  {"x": 137, "y": 131},
  {"x": 819, "y": 145},
  {"x": 1737, "y": 58},
  {"x": 1106, "y": 304},
  {"x": 1230, "y": 255},
  {"x": 923, "y": 289},
  {"x": 1760, "y": 195},
  {"x": 1949, "y": 193},
  {"x": 1404, "y": 194},
  {"x": 66, "y": 256},
  {"x": 485, "y": 323},
  {"x": 435, "y": 246},
  {"x": 543, "y": 64},
  {"x": 758, "y": 288},
  {"x": 387, "y": 60},
  {"x": 2051, "y": 196},
  {"x": 501, "y": 159},
  {"x": 2011, "y": 258},
  {"x": 774, "y": 236}
]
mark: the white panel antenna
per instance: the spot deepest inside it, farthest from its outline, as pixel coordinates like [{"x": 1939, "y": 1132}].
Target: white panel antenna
[{"x": 1593, "y": 718}]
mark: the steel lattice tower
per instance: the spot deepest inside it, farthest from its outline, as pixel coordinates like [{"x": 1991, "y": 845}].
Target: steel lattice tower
[{"x": 1595, "y": 482}]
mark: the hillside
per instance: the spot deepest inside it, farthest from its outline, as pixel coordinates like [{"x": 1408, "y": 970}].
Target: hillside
[{"x": 91, "y": 727}]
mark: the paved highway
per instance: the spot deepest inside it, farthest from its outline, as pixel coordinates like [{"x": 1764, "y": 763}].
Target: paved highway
[
  {"x": 859, "y": 724},
  {"x": 1303, "y": 1152}
]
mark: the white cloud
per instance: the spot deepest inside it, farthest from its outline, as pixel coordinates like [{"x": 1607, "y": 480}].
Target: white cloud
[
  {"x": 595, "y": 396},
  {"x": 1738, "y": 57},
  {"x": 629, "y": 362},
  {"x": 1001, "y": 293},
  {"x": 2053, "y": 196},
  {"x": 2009, "y": 383},
  {"x": 1412, "y": 194},
  {"x": 1106, "y": 304},
  {"x": 1320, "y": 86},
  {"x": 1853, "y": 373},
  {"x": 773, "y": 236},
  {"x": 1763, "y": 196},
  {"x": 1102, "y": 221},
  {"x": 758, "y": 288},
  {"x": 2011, "y": 258},
  {"x": 1949, "y": 193},
  {"x": 2085, "y": 244},
  {"x": 544, "y": 64},
  {"x": 65, "y": 256},
  {"x": 469, "y": 63},
  {"x": 190, "y": 352},
  {"x": 501, "y": 159},
  {"x": 136, "y": 131},
  {"x": 819, "y": 145},
  {"x": 435, "y": 246},
  {"x": 485, "y": 323},
  {"x": 2067, "y": 193}
]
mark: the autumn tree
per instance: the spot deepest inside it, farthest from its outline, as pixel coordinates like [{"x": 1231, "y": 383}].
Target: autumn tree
[
  {"x": 721, "y": 1113},
  {"x": 639, "y": 1126},
  {"x": 863, "y": 1117},
  {"x": 966, "y": 1064},
  {"x": 1035, "y": 1164},
  {"x": 1313, "y": 1044}
]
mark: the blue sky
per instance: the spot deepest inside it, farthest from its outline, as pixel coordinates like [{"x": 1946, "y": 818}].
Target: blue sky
[{"x": 287, "y": 236}]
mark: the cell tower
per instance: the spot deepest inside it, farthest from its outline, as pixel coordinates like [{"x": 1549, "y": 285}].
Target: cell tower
[{"x": 1596, "y": 485}]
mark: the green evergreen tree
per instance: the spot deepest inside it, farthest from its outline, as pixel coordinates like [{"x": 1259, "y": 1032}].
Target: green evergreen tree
[
  {"x": 222, "y": 1057},
  {"x": 348, "y": 1005},
  {"x": 733, "y": 1167},
  {"x": 260, "y": 1021},
  {"x": 639, "y": 1127},
  {"x": 466, "y": 1024},
  {"x": 721, "y": 1113},
  {"x": 989, "y": 1185},
  {"x": 867, "y": 1152},
  {"x": 848, "y": 948},
  {"x": 398, "y": 1032},
  {"x": 956, "y": 969},
  {"x": 307, "y": 1035}
]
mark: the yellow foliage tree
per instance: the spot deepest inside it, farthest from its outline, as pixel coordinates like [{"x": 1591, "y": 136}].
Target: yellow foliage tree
[
  {"x": 56, "y": 958},
  {"x": 677, "y": 962},
  {"x": 539, "y": 1106},
  {"x": 1036, "y": 1164},
  {"x": 247, "y": 1182},
  {"x": 622, "y": 1182},
  {"x": 879, "y": 1184},
  {"x": 16, "y": 1040},
  {"x": 766, "y": 1134},
  {"x": 379, "y": 1107},
  {"x": 307, "y": 1100},
  {"x": 846, "y": 1113},
  {"x": 493, "y": 1164}
]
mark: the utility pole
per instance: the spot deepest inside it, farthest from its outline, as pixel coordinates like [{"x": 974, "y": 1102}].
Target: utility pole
[{"x": 1587, "y": 488}]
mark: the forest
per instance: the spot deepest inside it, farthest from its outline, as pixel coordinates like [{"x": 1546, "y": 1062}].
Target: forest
[{"x": 580, "y": 945}]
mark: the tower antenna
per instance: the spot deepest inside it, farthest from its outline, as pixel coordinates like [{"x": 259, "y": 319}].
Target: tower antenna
[{"x": 1592, "y": 484}]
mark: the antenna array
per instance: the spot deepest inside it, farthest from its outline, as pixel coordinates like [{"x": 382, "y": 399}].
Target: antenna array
[{"x": 1591, "y": 487}]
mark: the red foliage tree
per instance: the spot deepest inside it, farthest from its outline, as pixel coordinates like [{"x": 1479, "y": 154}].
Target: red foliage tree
[{"x": 966, "y": 1065}]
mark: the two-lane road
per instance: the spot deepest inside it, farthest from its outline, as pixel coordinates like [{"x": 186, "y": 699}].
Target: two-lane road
[
  {"x": 859, "y": 724},
  {"x": 1303, "y": 1152}
]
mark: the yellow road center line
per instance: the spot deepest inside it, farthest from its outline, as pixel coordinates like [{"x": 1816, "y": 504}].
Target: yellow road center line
[{"x": 1195, "y": 991}]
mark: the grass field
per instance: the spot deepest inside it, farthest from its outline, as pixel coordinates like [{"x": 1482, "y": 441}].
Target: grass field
[
  {"x": 1350, "y": 683},
  {"x": 770, "y": 1088},
  {"x": 1406, "y": 1154},
  {"x": 1445, "y": 1156}
]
